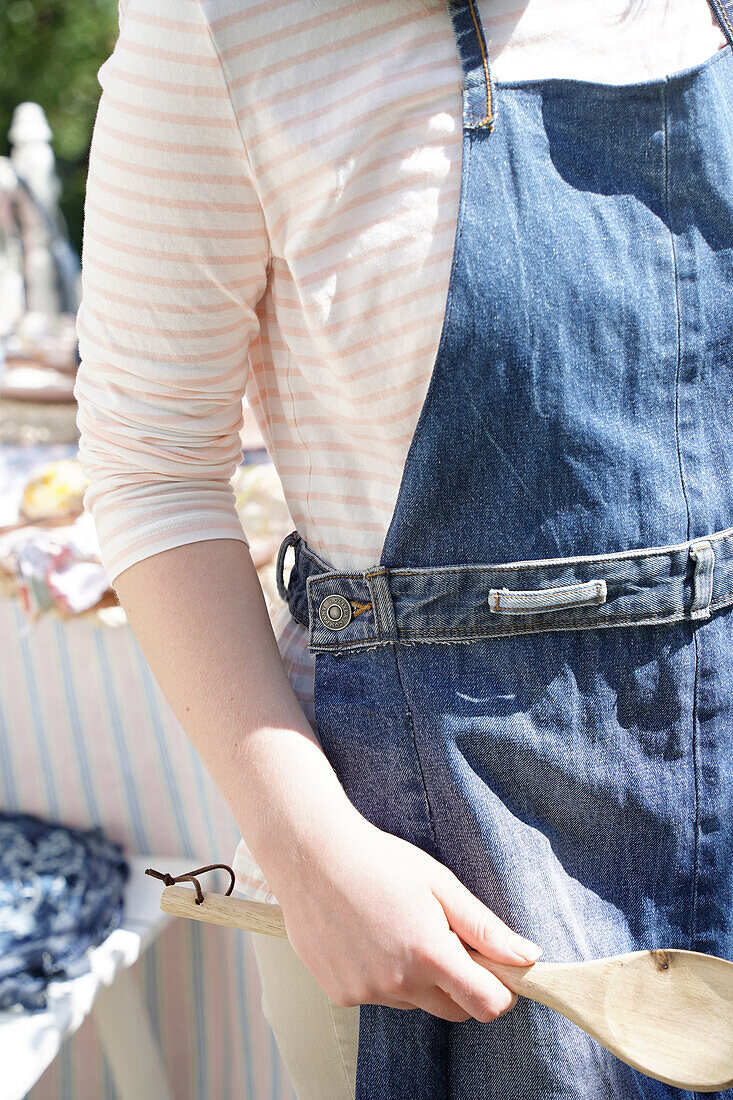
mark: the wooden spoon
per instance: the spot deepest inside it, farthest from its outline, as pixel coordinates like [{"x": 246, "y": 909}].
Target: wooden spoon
[{"x": 667, "y": 1013}]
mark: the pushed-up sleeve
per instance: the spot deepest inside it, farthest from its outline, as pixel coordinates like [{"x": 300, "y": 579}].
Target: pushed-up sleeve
[{"x": 174, "y": 260}]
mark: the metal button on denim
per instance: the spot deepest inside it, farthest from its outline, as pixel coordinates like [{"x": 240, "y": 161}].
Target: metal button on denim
[{"x": 335, "y": 612}]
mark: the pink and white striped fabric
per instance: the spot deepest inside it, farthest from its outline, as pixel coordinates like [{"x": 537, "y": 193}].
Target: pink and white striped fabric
[{"x": 271, "y": 210}]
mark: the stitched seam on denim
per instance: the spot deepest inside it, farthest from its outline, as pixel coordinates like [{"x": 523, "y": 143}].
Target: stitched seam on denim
[
  {"x": 724, "y": 535},
  {"x": 696, "y": 830},
  {"x": 306, "y": 550},
  {"x": 527, "y": 630},
  {"x": 625, "y": 555},
  {"x": 358, "y": 641},
  {"x": 677, "y": 305},
  {"x": 310, "y": 603},
  {"x": 539, "y": 626},
  {"x": 431, "y": 818},
  {"x": 380, "y": 626},
  {"x": 721, "y": 8},
  {"x": 387, "y": 620},
  {"x": 535, "y": 592},
  {"x": 537, "y": 595},
  {"x": 703, "y": 579},
  {"x": 567, "y": 624},
  {"x": 485, "y": 62},
  {"x": 359, "y": 608},
  {"x": 557, "y": 622},
  {"x": 725, "y": 16},
  {"x": 621, "y": 555},
  {"x": 336, "y": 574}
]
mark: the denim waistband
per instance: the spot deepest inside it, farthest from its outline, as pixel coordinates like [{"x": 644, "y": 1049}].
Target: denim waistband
[{"x": 352, "y": 610}]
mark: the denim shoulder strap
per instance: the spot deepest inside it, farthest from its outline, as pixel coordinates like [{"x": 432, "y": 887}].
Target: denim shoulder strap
[
  {"x": 724, "y": 11},
  {"x": 478, "y": 87}
]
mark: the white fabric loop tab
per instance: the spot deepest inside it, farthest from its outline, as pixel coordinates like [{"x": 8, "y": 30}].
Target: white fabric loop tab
[
  {"x": 513, "y": 602},
  {"x": 703, "y": 555}
]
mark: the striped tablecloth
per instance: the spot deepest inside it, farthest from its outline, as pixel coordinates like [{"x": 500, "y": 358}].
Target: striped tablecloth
[{"x": 87, "y": 737}]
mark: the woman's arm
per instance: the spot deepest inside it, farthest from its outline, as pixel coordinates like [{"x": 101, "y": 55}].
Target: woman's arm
[
  {"x": 175, "y": 259},
  {"x": 374, "y": 918},
  {"x": 200, "y": 616},
  {"x": 174, "y": 262}
]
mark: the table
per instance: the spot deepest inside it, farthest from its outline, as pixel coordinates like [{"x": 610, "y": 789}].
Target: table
[
  {"x": 87, "y": 738},
  {"x": 29, "y": 1042}
]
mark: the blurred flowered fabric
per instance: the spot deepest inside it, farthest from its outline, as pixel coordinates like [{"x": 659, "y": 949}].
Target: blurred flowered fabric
[{"x": 61, "y": 894}]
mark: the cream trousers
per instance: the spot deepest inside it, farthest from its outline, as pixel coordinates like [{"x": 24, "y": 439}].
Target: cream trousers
[{"x": 317, "y": 1039}]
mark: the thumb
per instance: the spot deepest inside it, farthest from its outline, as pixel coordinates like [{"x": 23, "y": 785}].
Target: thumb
[{"x": 479, "y": 926}]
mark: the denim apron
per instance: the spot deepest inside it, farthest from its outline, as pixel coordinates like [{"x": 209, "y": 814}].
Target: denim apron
[{"x": 535, "y": 683}]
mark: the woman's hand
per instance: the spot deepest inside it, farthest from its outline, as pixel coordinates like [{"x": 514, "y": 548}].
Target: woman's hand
[{"x": 379, "y": 921}]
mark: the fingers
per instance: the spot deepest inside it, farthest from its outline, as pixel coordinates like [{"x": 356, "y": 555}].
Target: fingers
[
  {"x": 439, "y": 1003},
  {"x": 480, "y": 927},
  {"x": 435, "y": 1001},
  {"x": 454, "y": 987},
  {"x": 470, "y": 986},
  {"x": 463, "y": 990}
]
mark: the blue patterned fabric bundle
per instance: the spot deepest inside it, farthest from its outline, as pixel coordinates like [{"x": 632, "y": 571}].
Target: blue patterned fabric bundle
[{"x": 61, "y": 893}]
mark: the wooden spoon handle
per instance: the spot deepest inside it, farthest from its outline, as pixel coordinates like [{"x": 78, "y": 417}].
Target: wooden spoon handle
[
  {"x": 665, "y": 1012},
  {"x": 253, "y": 916},
  {"x": 257, "y": 916}
]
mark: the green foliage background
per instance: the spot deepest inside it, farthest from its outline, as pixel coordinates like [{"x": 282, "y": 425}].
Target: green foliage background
[{"x": 50, "y": 52}]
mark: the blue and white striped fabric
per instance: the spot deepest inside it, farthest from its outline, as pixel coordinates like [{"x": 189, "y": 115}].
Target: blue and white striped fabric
[{"x": 87, "y": 737}]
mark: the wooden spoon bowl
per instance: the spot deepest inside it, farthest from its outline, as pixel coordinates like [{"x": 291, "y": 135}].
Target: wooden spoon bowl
[{"x": 667, "y": 1013}]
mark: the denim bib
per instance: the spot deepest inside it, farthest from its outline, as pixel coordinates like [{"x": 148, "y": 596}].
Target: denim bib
[{"x": 535, "y": 683}]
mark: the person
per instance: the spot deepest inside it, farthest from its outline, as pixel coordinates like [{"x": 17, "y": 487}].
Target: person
[{"x": 471, "y": 264}]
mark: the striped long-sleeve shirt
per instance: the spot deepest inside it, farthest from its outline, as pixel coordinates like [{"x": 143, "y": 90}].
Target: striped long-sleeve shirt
[{"x": 271, "y": 208}]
